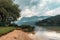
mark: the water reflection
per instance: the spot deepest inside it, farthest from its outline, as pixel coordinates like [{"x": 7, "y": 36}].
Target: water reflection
[{"x": 43, "y": 34}]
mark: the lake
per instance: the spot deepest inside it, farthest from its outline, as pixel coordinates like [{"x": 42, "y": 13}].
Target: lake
[{"x": 42, "y": 33}]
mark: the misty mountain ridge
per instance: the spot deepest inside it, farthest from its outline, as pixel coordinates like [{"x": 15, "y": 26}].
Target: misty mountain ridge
[
  {"x": 31, "y": 20},
  {"x": 51, "y": 21}
]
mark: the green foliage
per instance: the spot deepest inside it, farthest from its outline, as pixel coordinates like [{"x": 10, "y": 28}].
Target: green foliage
[
  {"x": 27, "y": 28},
  {"x": 8, "y": 12},
  {"x": 15, "y": 25}
]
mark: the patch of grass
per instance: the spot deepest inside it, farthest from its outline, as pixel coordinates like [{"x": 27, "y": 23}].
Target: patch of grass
[
  {"x": 4, "y": 30},
  {"x": 54, "y": 28}
]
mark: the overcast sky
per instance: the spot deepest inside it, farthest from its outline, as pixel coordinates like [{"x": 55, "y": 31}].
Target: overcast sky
[{"x": 39, "y": 7}]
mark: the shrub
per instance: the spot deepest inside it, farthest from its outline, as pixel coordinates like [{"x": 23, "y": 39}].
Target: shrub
[{"x": 27, "y": 28}]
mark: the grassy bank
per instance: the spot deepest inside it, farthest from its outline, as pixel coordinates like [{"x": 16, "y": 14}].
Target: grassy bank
[
  {"x": 5, "y": 30},
  {"x": 25, "y": 28},
  {"x": 54, "y": 28}
]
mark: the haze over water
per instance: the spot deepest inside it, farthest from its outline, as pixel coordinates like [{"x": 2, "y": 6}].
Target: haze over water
[{"x": 43, "y": 34}]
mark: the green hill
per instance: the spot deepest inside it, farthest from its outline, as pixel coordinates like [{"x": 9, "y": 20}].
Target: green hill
[{"x": 51, "y": 21}]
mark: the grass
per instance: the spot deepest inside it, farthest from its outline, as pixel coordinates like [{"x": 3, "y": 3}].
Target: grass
[
  {"x": 54, "y": 28},
  {"x": 4, "y": 30}
]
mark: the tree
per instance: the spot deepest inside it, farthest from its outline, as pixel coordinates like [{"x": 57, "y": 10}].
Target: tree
[{"x": 8, "y": 12}]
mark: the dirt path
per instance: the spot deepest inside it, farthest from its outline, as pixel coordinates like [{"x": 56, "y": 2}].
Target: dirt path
[{"x": 16, "y": 35}]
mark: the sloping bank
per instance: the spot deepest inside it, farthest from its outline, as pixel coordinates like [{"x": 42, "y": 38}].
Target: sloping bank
[{"x": 16, "y": 35}]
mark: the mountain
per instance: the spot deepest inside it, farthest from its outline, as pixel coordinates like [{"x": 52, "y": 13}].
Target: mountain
[
  {"x": 51, "y": 21},
  {"x": 31, "y": 20}
]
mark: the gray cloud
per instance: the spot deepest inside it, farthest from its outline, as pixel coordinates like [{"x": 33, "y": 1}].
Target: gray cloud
[
  {"x": 29, "y": 3},
  {"x": 37, "y": 7}
]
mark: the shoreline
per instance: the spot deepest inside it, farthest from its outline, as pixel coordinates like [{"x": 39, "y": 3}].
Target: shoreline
[{"x": 16, "y": 35}]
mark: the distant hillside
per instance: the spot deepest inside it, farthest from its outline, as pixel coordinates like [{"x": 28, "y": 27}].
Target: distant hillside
[
  {"x": 31, "y": 20},
  {"x": 51, "y": 21}
]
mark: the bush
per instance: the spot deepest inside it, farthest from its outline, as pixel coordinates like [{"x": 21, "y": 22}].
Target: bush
[
  {"x": 27, "y": 28},
  {"x": 15, "y": 25}
]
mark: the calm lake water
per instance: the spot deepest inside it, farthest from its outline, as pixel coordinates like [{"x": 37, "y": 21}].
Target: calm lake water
[{"x": 44, "y": 34}]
